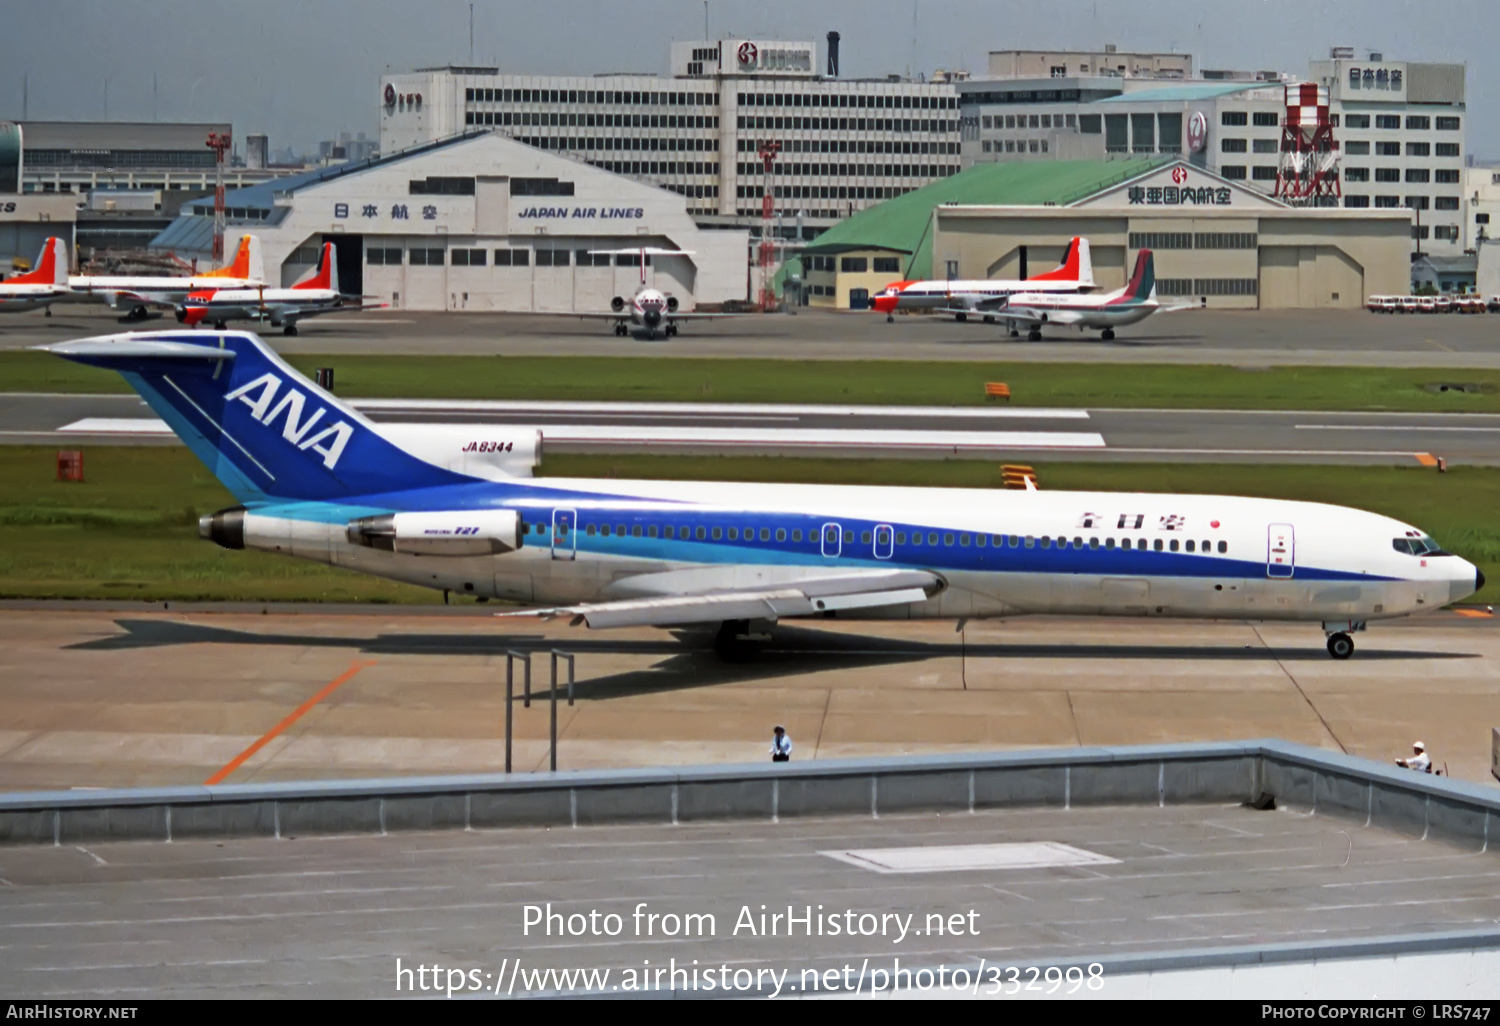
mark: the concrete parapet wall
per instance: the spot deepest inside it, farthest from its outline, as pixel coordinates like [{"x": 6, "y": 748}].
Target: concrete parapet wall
[{"x": 1309, "y": 779}]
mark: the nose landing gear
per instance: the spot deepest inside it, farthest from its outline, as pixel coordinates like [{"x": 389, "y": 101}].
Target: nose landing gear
[{"x": 1340, "y": 645}]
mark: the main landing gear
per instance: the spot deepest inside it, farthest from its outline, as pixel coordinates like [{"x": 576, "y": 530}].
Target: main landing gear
[
  {"x": 1034, "y": 335},
  {"x": 290, "y": 329},
  {"x": 1108, "y": 334},
  {"x": 738, "y": 642},
  {"x": 890, "y": 318},
  {"x": 960, "y": 318},
  {"x": 620, "y": 329}
]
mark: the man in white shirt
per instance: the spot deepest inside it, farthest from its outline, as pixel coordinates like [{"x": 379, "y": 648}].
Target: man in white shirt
[
  {"x": 781, "y": 745},
  {"x": 1419, "y": 760}
]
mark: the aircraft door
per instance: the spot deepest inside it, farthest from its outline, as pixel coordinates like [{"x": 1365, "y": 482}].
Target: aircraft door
[
  {"x": 564, "y": 533},
  {"x": 833, "y": 540},
  {"x": 885, "y": 541},
  {"x": 1281, "y": 551}
]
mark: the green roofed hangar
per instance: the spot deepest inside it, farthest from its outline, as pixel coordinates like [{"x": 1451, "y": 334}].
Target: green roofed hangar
[{"x": 1215, "y": 240}]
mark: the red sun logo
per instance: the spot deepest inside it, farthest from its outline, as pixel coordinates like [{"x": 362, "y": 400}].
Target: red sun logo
[
  {"x": 1179, "y": 175},
  {"x": 747, "y": 53}
]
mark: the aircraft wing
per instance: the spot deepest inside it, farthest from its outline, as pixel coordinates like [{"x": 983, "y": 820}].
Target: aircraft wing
[
  {"x": 132, "y": 297},
  {"x": 1019, "y": 314},
  {"x": 811, "y": 596},
  {"x": 704, "y": 316}
]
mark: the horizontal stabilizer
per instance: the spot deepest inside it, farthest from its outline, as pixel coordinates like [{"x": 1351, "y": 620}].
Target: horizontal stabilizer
[{"x": 125, "y": 347}]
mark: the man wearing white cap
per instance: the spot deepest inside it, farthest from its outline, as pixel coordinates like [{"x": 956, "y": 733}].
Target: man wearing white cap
[{"x": 1419, "y": 760}]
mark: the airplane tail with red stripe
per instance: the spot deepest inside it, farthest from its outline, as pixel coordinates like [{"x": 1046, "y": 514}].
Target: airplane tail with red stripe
[
  {"x": 1142, "y": 284},
  {"x": 325, "y": 275},
  {"x": 51, "y": 266},
  {"x": 1077, "y": 265}
]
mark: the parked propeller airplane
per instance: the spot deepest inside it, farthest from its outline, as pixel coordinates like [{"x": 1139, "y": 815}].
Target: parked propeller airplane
[
  {"x": 137, "y": 295},
  {"x": 43, "y": 285},
  {"x": 963, "y": 297},
  {"x": 453, "y": 507},
  {"x": 316, "y": 294}
]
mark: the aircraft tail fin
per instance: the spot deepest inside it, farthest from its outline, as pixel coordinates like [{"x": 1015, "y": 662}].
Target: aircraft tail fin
[
  {"x": 51, "y": 266},
  {"x": 1142, "y": 284},
  {"x": 263, "y": 429},
  {"x": 1077, "y": 264},
  {"x": 248, "y": 263},
  {"x": 325, "y": 275}
]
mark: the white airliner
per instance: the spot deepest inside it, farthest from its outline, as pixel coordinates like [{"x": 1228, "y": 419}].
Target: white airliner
[
  {"x": 453, "y": 507},
  {"x": 137, "y": 294},
  {"x": 43, "y": 285},
  {"x": 1130, "y": 305},
  {"x": 649, "y": 310},
  {"x": 317, "y": 293},
  {"x": 962, "y": 297}
]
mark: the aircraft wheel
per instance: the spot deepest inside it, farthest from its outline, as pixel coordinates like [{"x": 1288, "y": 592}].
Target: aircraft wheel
[
  {"x": 290, "y": 329},
  {"x": 220, "y": 325},
  {"x": 1034, "y": 335},
  {"x": 1108, "y": 334},
  {"x": 960, "y": 317},
  {"x": 989, "y": 320},
  {"x": 890, "y": 318},
  {"x": 1340, "y": 645},
  {"x": 1014, "y": 333},
  {"x": 731, "y": 645}
]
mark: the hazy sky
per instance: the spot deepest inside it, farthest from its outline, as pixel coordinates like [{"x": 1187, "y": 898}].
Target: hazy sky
[{"x": 303, "y": 70}]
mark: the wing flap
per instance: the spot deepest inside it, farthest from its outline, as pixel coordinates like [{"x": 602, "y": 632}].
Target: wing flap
[{"x": 748, "y": 604}]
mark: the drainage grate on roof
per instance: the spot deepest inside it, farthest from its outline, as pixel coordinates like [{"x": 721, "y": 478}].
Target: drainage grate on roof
[{"x": 969, "y": 857}]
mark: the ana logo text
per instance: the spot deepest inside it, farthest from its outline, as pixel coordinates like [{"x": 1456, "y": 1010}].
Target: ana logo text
[{"x": 259, "y": 396}]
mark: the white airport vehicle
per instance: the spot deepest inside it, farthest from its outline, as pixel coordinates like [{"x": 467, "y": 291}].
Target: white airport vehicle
[
  {"x": 138, "y": 295},
  {"x": 453, "y": 507},
  {"x": 1130, "y": 305},
  {"x": 962, "y": 298},
  {"x": 649, "y": 310},
  {"x": 46, "y": 283},
  {"x": 314, "y": 295}
]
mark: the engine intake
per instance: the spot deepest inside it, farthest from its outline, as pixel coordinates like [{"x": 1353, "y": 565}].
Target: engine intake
[
  {"x": 672, "y": 304},
  {"x": 455, "y": 533},
  {"x": 617, "y": 304}
]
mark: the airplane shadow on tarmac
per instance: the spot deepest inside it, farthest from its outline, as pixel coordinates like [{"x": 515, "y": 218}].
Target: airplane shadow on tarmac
[{"x": 688, "y": 661}]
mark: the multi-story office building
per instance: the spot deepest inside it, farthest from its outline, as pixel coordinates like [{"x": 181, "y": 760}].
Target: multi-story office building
[
  {"x": 845, "y": 144},
  {"x": 1399, "y": 124},
  {"x": 80, "y": 156}
]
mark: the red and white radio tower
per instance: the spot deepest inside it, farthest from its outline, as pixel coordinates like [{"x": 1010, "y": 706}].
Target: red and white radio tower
[
  {"x": 1309, "y": 172},
  {"x": 219, "y": 143},
  {"x": 768, "y": 152}
]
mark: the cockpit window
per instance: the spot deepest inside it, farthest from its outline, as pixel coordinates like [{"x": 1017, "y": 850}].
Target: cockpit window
[{"x": 1418, "y": 545}]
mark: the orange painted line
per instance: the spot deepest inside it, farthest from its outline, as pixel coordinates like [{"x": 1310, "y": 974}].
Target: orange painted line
[
  {"x": 1473, "y": 612},
  {"x": 1427, "y": 459},
  {"x": 293, "y": 717}
]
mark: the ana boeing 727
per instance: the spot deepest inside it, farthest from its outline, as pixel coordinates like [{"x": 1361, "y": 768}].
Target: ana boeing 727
[{"x": 454, "y": 507}]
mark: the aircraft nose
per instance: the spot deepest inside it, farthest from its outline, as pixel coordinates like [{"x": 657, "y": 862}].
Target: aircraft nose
[{"x": 1478, "y": 579}]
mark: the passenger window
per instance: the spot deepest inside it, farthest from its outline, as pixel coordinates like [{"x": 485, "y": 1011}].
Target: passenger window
[
  {"x": 1174, "y": 544},
  {"x": 1030, "y": 542},
  {"x": 864, "y": 537},
  {"x": 651, "y": 530},
  {"x": 1062, "y": 543},
  {"x": 718, "y": 533},
  {"x": 916, "y": 537},
  {"x": 931, "y": 537},
  {"x": 1124, "y": 543},
  {"x": 1190, "y": 545},
  {"x": 604, "y": 530},
  {"x": 848, "y": 536},
  {"x": 900, "y": 537},
  {"x": 589, "y": 530},
  {"x": 734, "y": 534},
  {"x": 1157, "y": 545},
  {"x": 1046, "y": 543},
  {"x": 700, "y": 534},
  {"x": 1015, "y": 541},
  {"x": 963, "y": 539},
  {"x": 1078, "y": 543},
  {"x": 1208, "y": 546},
  {"x": 1109, "y": 543},
  {"x": 948, "y": 539},
  {"x": 1223, "y": 546},
  {"x": 981, "y": 539},
  {"x": 635, "y": 532},
  {"x": 796, "y": 534},
  {"x": 765, "y": 534},
  {"x": 620, "y": 530},
  {"x": 781, "y": 534},
  {"x": 1093, "y": 543},
  {"x": 668, "y": 532},
  {"x": 999, "y": 541}
]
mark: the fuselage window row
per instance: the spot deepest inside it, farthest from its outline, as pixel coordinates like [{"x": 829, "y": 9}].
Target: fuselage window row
[{"x": 917, "y": 539}]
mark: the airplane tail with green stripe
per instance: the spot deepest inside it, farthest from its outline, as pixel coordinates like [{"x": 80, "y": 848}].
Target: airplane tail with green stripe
[{"x": 1142, "y": 285}]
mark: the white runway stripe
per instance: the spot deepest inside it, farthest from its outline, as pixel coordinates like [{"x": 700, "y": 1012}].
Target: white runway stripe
[
  {"x": 745, "y": 409},
  {"x": 719, "y": 437}
]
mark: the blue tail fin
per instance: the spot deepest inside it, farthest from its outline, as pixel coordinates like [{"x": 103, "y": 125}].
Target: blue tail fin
[{"x": 263, "y": 429}]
